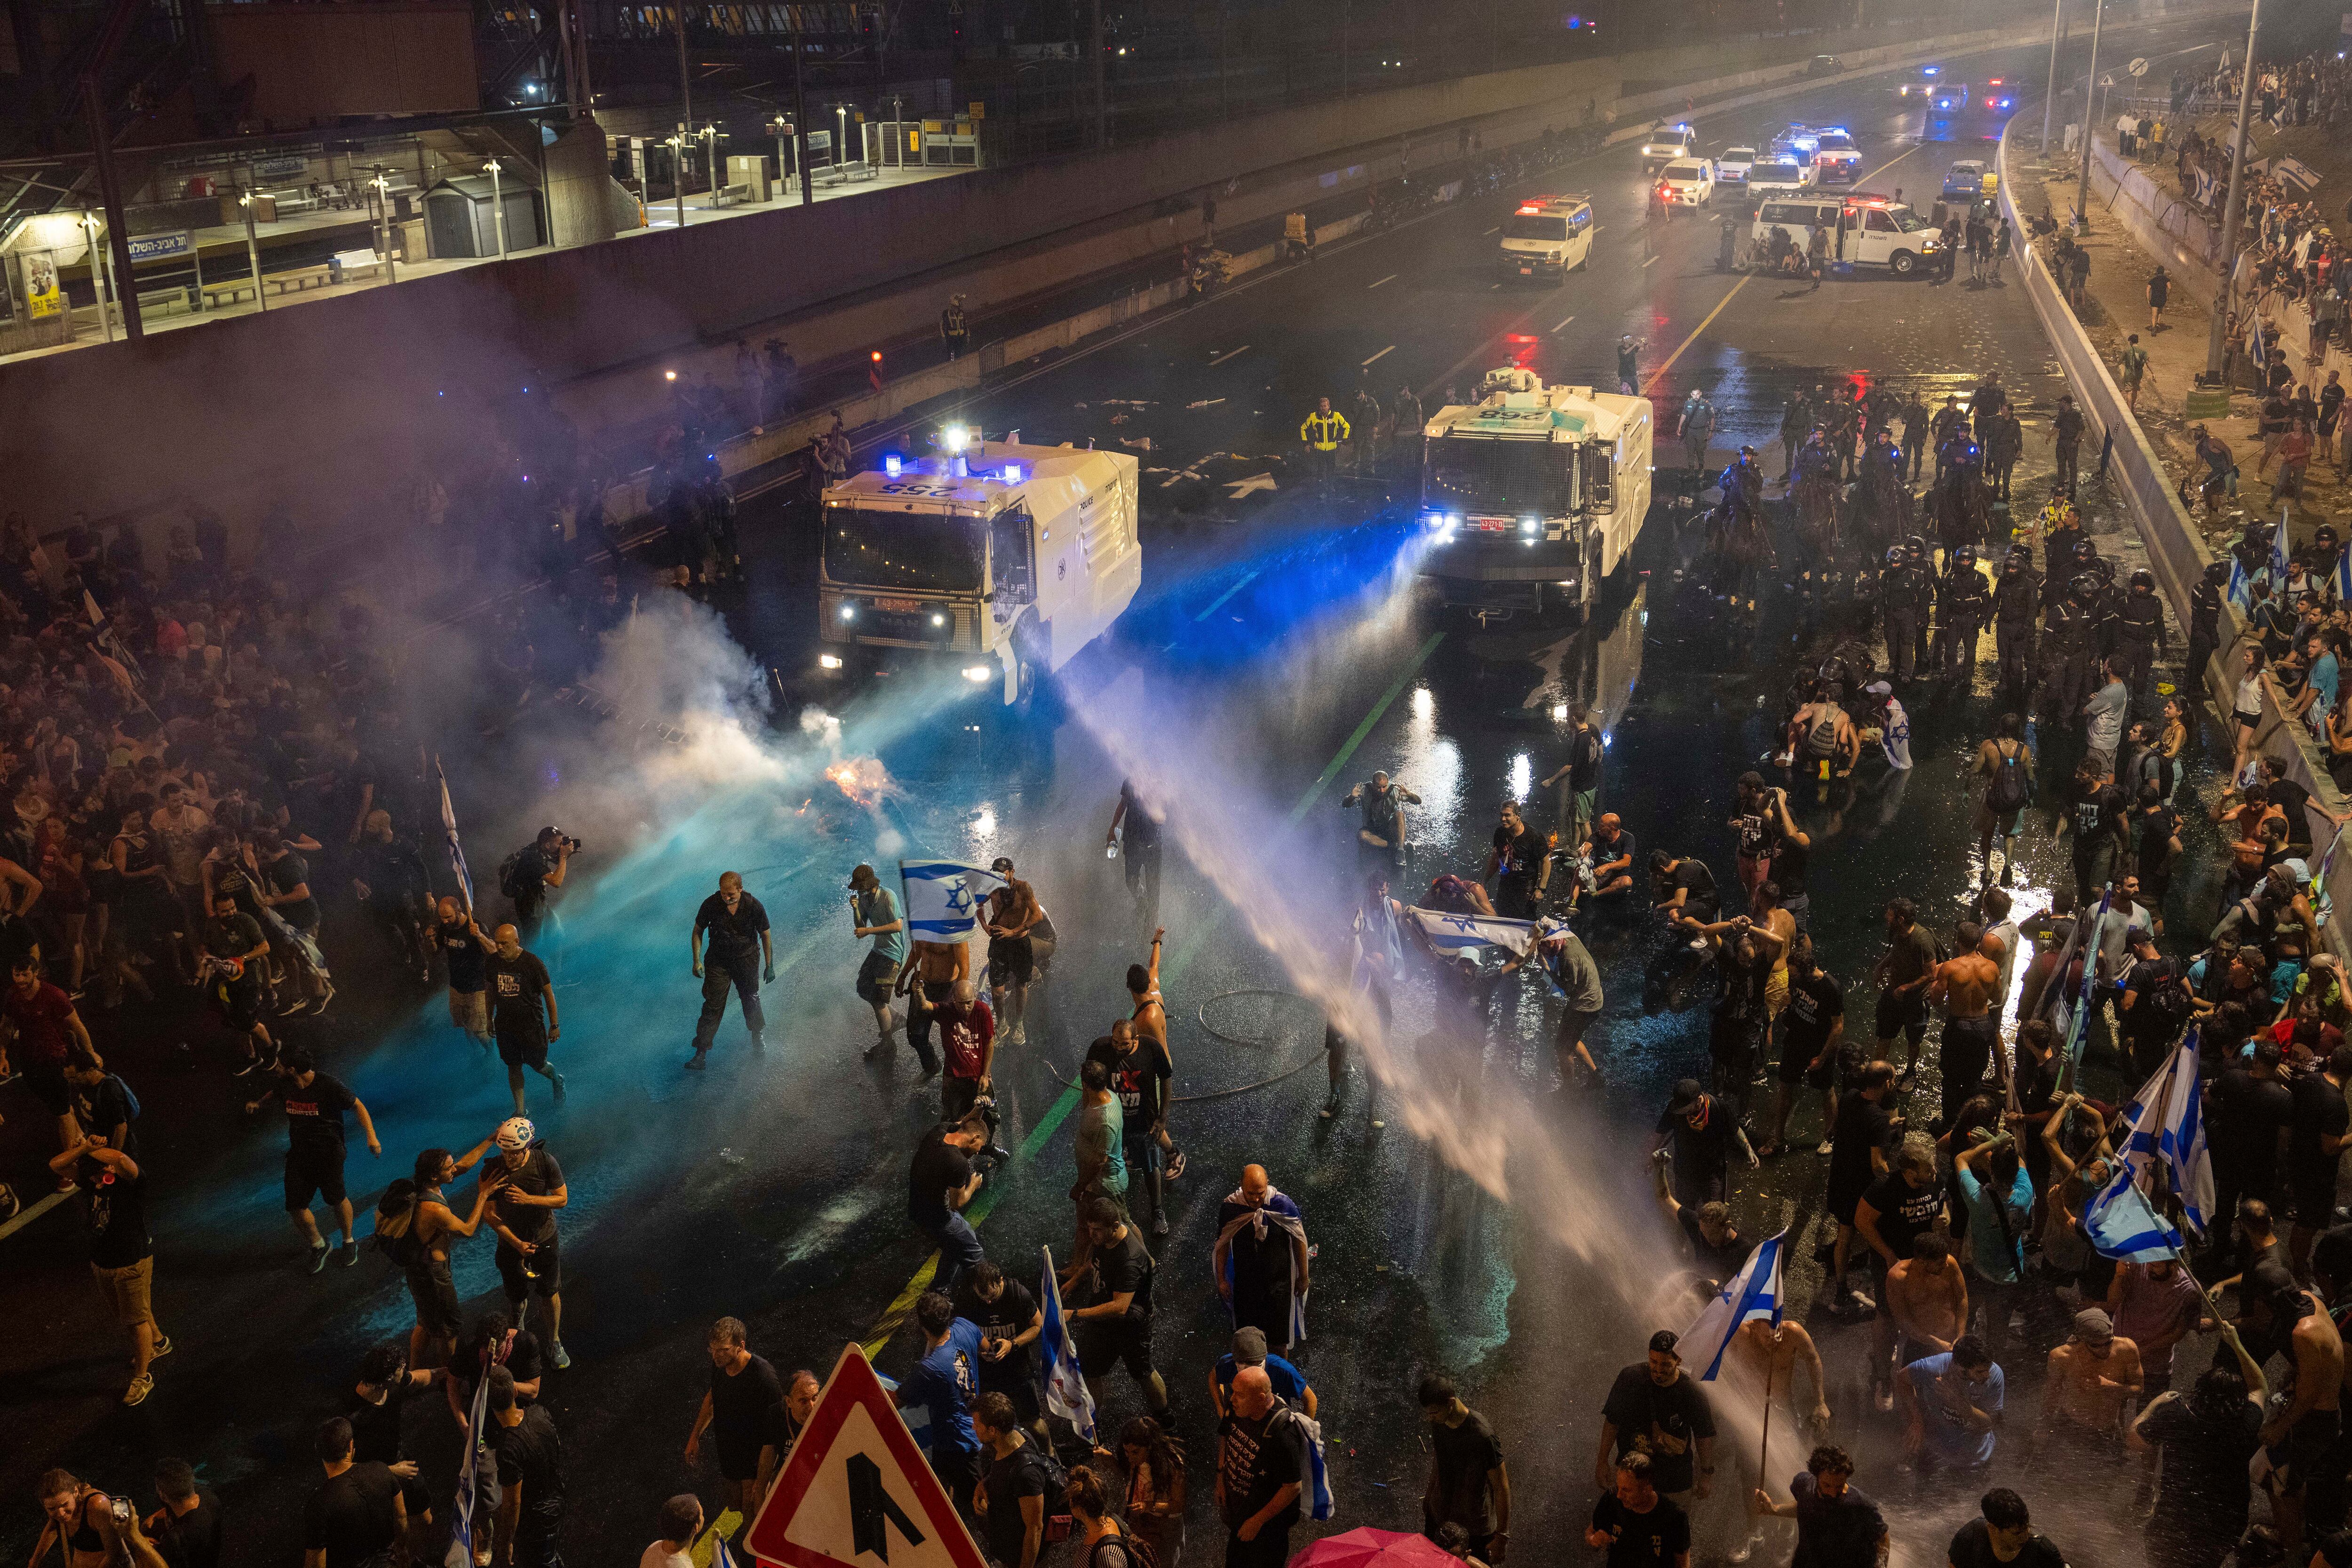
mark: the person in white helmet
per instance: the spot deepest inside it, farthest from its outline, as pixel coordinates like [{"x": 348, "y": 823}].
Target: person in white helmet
[{"x": 523, "y": 1217}]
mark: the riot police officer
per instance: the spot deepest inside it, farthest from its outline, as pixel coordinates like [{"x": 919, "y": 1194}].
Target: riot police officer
[
  {"x": 1963, "y": 602},
  {"x": 2016, "y": 602},
  {"x": 2319, "y": 558},
  {"x": 1904, "y": 589},
  {"x": 1742, "y": 483},
  {"x": 2139, "y": 631},
  {"x": 2107, "y": 604},
  {"x": 2067, "y": 648},
  {"x": 2204, "y": 627},
  {"x": 1921, "y": 562}
]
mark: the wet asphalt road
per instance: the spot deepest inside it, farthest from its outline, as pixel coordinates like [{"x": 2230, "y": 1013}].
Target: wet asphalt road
[{"x": 1272, "y": 660}]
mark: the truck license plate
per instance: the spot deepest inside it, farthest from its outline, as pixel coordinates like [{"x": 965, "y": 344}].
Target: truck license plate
[
  {"x": 907, "y": 605},
  {"x": 1526, "y": 271}
]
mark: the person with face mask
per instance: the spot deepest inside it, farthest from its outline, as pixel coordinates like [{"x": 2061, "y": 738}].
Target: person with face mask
[
  {"x": 1963, "y": 603},
  {"x": 2016, "y": 604}
]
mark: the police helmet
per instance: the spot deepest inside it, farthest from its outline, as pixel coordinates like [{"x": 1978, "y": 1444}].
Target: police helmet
[
  {"x": 1965, "y": 557},
  {"x": 2323, "y": 534},
  {"x": 2085, "y": 586},
  {"x": 1746, "y": 451},
  {"x": 2216, "y": 573},
  {"x": 2143, "y": 581},
  {"x": 2086, "y": 550},
  {"x": 2104, "y": 568},
  {"x": 1915, "y": 546},
  {"x": 1895, "y": 555},
  {"x": 2016, "y": 559}
]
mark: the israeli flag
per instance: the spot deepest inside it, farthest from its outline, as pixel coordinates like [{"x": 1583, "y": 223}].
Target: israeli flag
[
  {"x": 461, "y": 1534},
  {"x": 943, "y": 898},
  {"x": 1464, "y": 936},
  {"x": 2342, "y": 577},
  {"x": 1756, "y": 1291},
  {"x": 2076, "y": 1022},
  {"x": 2167, "y": 1130},
  {"x": 2279, "y": 543},
  {"x": 2123, "y": 1226},
  {"x": 723, "y": 1555},
  {"x": 1064, "y": 1387},
  {"x": 2241, "y": 593},
  {"x": 2295, "y": 173},
  {"x": 449, "y": 831}
]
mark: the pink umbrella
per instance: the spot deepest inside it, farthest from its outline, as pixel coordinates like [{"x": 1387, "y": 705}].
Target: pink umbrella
[{"x": 1369, "y": 1548}]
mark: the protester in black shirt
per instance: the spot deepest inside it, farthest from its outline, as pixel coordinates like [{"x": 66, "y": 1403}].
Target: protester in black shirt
[
  {"x": 376, "y": 1408},
  {"x": 2003, "y": 1537},
  {"x": 1813, "y": 1031},
  {"x": 2317, "y": 1138},
  {"x": 1899, "y": 1207},
  {"x": 741, "y": 954},
  {"x": 1009, "y": 1319},
  {"x": 186, "y": 1530},
  {"x": 2207, "y": 1436},
  {"x": 1011, "y": 1500},
  {"x": 122, "y": 1252},
  {"x": 523, "y": 1012},
  {"x": 530, "y": 1475},
  {"x": 1519, "y": 863},
  {"x": 1638, "y": 1528},
  {"x": 940, "y": 1182},
  {"x": 314, "y": 1105},
  {"x": 2246, "y": 1110},
  {"x": 1837, "y": 1526},
  {"x": 530, "y": 1258},
  {"x": 1657, "y": 1406},
  {"x": 1114, "y": 1325},
  {"x": 465, "y": 949},
  {"x": 1704, "y": 1131},
  {"x": 1469, "y": 1485},
  {"x": 356, "y": 1519},
  {"x": 1262, "y": 1468},
  {"x": 1140, "y": 1075},
  {"x": 532, "y": 870},
  {"x": 782, "y": 1425},
  {"x": 743, "y": 1388}
]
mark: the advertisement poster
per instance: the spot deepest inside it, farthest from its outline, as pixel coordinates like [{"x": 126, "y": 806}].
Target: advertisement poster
[{"x": 44, "y": 296}]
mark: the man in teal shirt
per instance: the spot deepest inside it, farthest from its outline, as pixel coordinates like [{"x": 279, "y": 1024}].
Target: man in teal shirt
[{"x": 873, "y": 912}]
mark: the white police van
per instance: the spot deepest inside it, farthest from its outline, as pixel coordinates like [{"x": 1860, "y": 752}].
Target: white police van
[
  {"x": 1547, "y": 236},
  {"x": 1865, "y": 229}
]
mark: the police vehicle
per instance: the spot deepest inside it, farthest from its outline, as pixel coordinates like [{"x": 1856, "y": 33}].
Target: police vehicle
[
  {"x": 1865, "y": 229},
  {"x": 1547, "y": 236},
  {"x": 1666, "y": 143}
]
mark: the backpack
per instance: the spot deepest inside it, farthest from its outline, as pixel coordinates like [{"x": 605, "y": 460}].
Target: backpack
[
  {"x": 1056, "y": 1500},
  {"x": 2170, "y": 1001},
  {"x": 2008, "y": 790},
  {"x": 1138, "y": 1552},
  {"x": 510, "y": 875},
  {"x": 395, "y": 1218},
  {"x": 129, "y": 1100}
]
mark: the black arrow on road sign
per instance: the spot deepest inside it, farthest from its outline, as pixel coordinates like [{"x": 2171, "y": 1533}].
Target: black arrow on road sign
[{"x": 870, "y": 1507}]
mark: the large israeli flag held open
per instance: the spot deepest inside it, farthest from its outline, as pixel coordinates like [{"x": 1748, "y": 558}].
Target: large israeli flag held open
[
  {"x": 1461, "y": 936},
  {"x": 944, "y": 897}
]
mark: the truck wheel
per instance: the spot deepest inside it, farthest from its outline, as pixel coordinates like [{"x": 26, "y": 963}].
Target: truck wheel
[{"x": 1904, "y": 263}]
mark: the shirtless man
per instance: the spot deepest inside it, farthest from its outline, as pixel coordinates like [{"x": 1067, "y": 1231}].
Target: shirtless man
[
  {"x": 1929, "y": 1294},
  {"x": 432, "y": 1226},
  {"x": 2307, "y": 1428},
  {"x": 927, "y": 979},
  {"x": 1822, "y": 738},
  {"x": 1965, "y": 987},
  {"x": 2090, "y": 1378},
  {"x": 1765, "y": 1355},
  {"x": 1150, "y": 1015}
]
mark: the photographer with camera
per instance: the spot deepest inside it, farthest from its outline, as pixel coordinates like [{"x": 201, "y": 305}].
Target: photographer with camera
[{"x": 528, "y": 874}]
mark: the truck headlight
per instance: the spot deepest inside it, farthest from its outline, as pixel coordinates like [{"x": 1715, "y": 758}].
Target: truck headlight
[
  {"x": 848, "y": 612},
  {"x": 976, "y": 673},
  {"x": 1530, "y": 525},
  {"x": 828, "y": 661}
]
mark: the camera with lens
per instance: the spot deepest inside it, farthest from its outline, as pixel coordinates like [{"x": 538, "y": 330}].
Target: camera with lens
[{"x": 563, "y": 839}]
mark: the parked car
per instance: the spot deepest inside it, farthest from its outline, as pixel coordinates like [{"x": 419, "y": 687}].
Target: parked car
[
  {"x": 1686, "y": 182},
  {"x": 1732, "y": 165},
  {"x": 1824, "y": 65}
]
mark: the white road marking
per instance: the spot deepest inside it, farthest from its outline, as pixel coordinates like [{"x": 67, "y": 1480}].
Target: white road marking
[
  {"x": 1651, "y": 262},
  {"x": 1496, "y": 229},
  {"x": 1563, "y": 325},
  {"x": 31, "y": 1212},
  {"x": 1389, "y": 279},
  {"x": 1222, "y": 358},
  {"x": 1250, "y": 486},
  {"x": 1380, "y": 356}
]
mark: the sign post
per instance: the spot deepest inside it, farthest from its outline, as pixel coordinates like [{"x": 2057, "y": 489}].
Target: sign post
[{"x": 856, "y": 1491}]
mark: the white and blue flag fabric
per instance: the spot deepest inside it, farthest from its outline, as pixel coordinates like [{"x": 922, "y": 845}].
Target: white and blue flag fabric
[{"x": 944, "y": 897}]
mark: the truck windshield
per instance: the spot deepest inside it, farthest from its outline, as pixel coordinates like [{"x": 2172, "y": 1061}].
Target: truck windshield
[
  {"x": 902, "y": 549},
  {"x": 1905, "y": 219},
  {"x": 1535, "y": 226},
  {"x": 1511, "y": 478}
]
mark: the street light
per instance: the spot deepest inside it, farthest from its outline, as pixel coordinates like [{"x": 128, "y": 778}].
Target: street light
[
  {"x": 497, "y": 207},
  {"x": 783, "y": 127},
  {"x": 252, "y": 243},
  {"x": 2218, "y": 336},
  {"x": 840, "y": 134},
  {"x": 2090, "y": 87},
  {"x": 710, "y": 134}
]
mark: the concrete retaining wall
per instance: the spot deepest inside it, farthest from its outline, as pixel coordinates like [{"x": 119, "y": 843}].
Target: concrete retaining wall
[{"x": 2176, "y": 551}]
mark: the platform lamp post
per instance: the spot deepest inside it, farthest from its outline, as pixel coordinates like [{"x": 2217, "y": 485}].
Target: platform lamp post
[
  {"x": 676, "y": 144},
  {"x": 2216, "y": 337},
  {"x": 782, "y": 125},
  {"x": 252, "y": 239},
  {"x": 498, "y": 206},
  {"x": 89, "y": 229},
  {"x": 710, "y": 136},
  {"x": 383, "y": 185}
]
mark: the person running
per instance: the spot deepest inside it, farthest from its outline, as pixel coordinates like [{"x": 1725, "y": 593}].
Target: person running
[
  {"x": 522, "y": 1013},
  {"x": 314, "y": 1105},
  {"x": 874, "y": 914}
]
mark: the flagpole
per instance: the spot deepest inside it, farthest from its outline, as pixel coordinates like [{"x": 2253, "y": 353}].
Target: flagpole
[{"x": 1764, "y": 1451}]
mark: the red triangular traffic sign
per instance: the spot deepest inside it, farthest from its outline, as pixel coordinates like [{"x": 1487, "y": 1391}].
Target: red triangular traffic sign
[{"x": 856, "y": 1492}]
